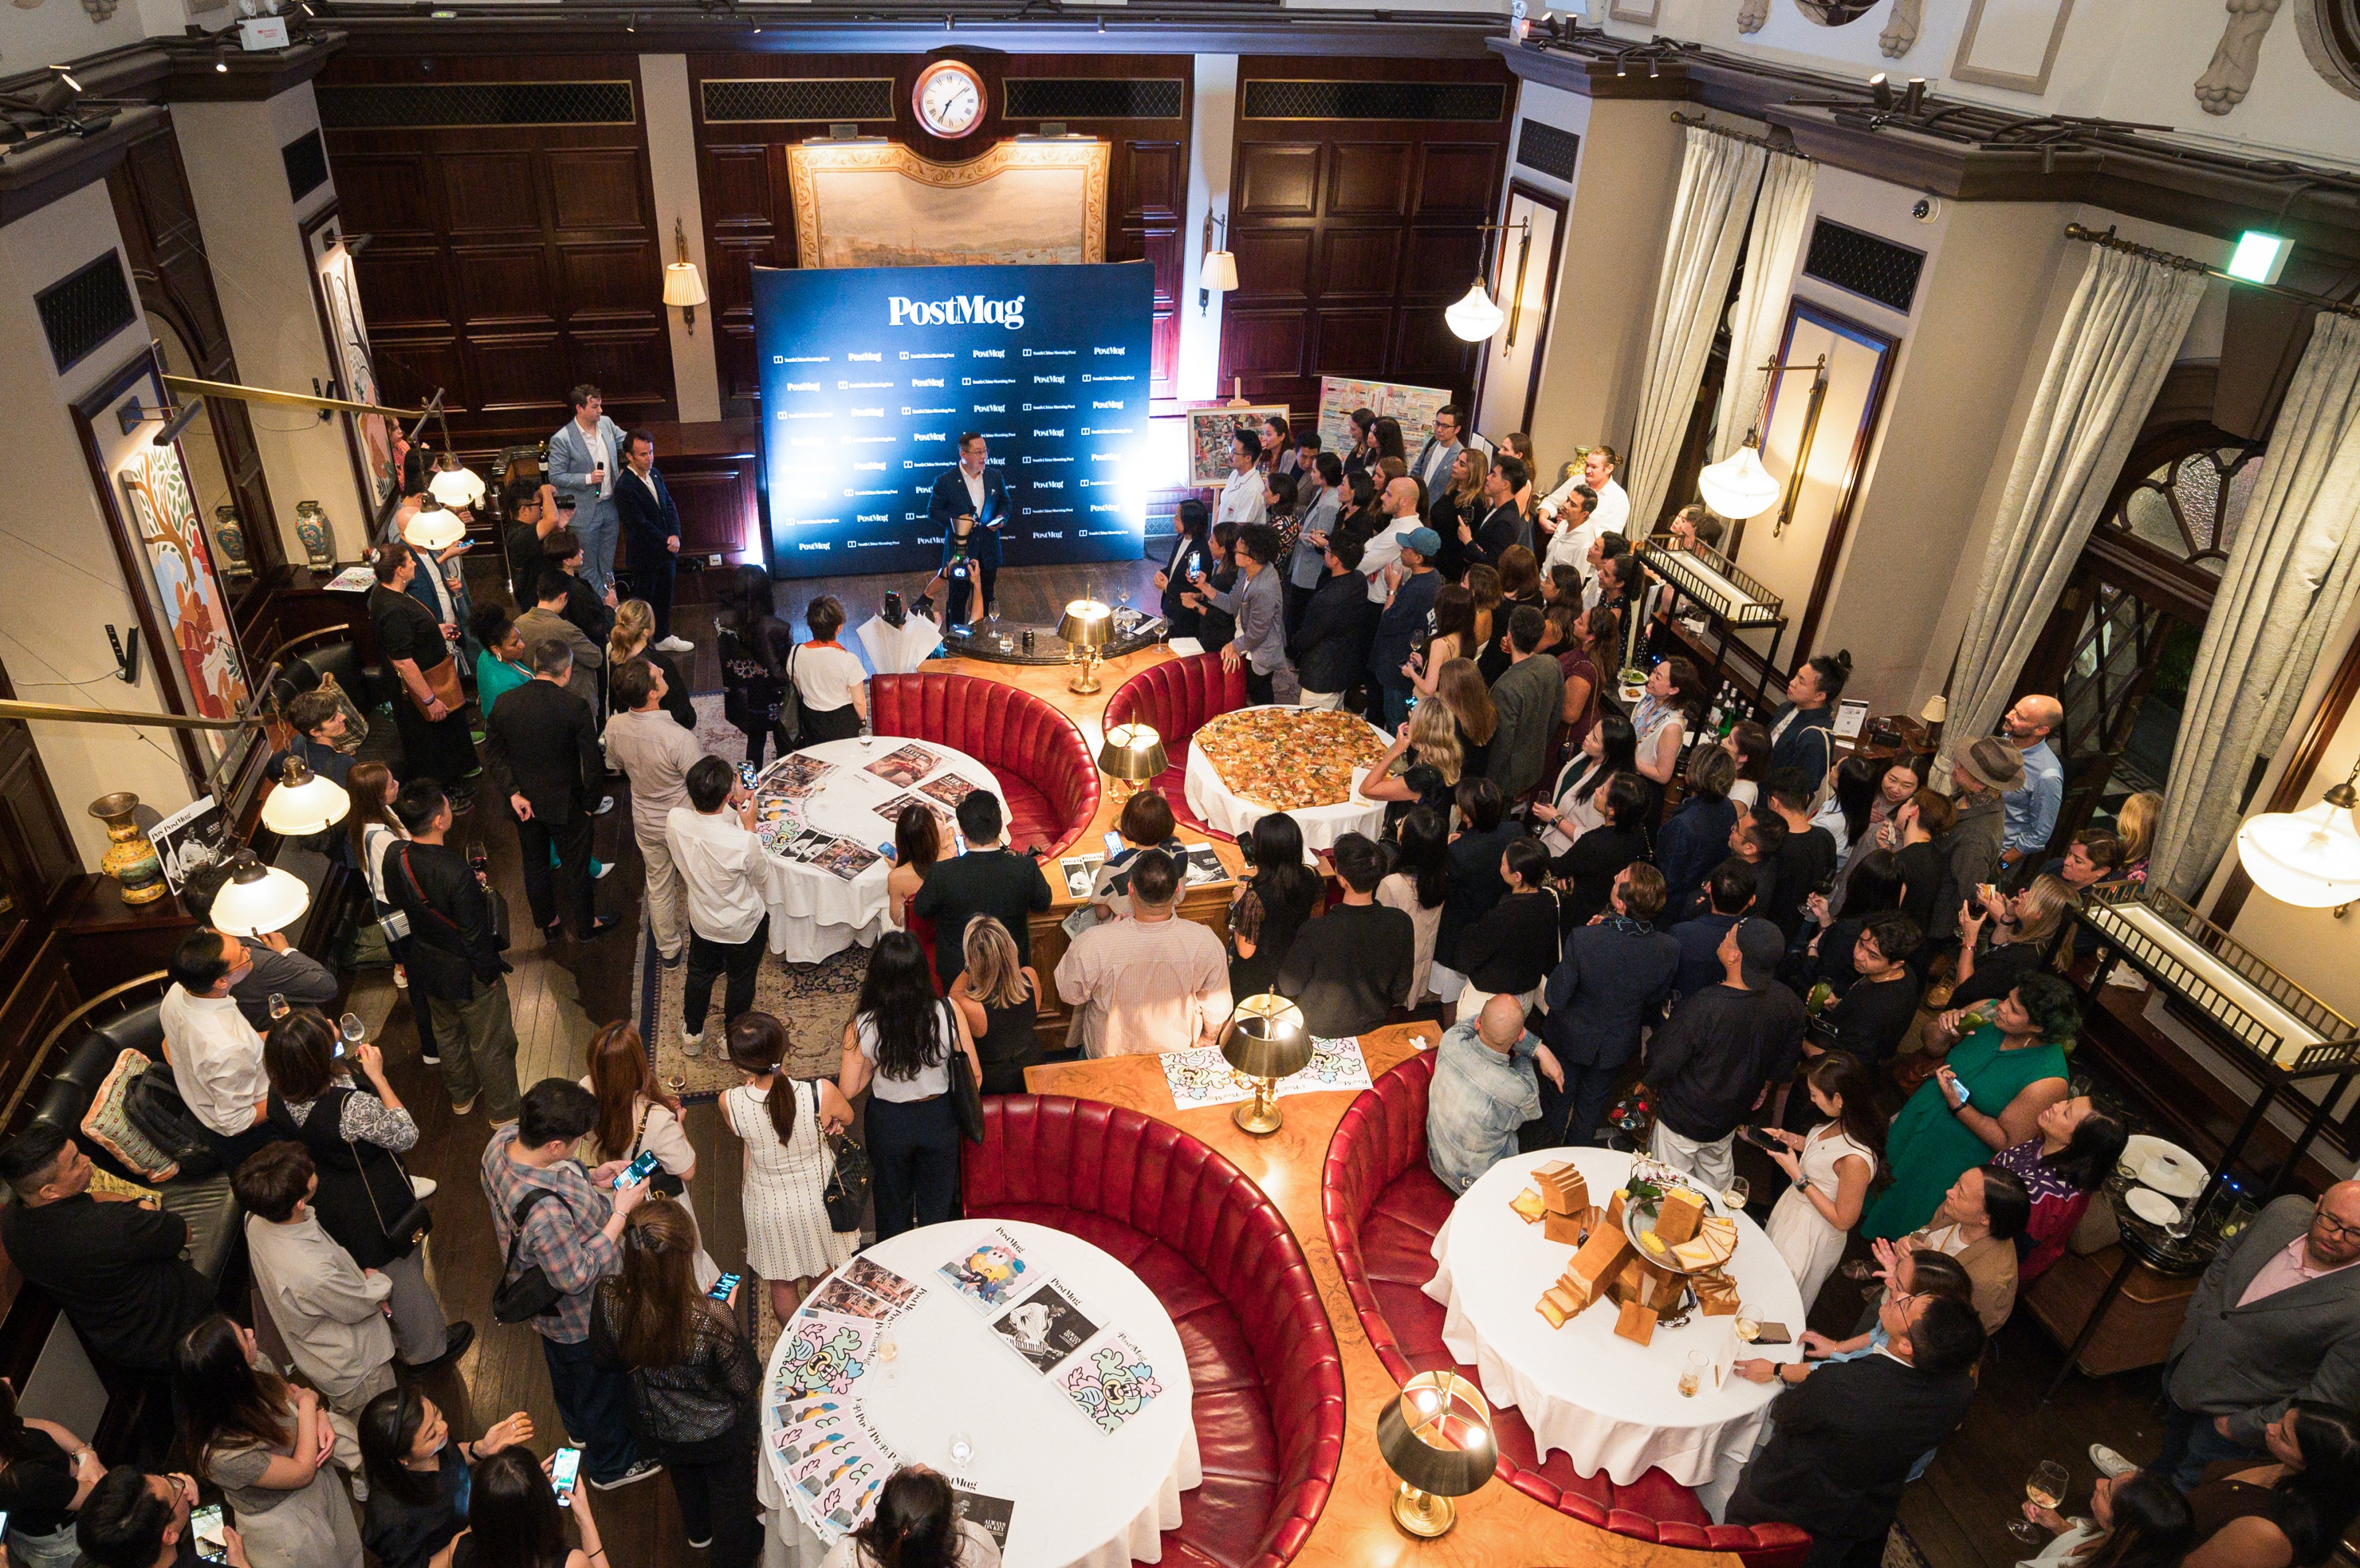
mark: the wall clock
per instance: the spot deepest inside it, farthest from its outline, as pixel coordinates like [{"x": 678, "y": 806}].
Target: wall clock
[{"x": 948, "y": 99}]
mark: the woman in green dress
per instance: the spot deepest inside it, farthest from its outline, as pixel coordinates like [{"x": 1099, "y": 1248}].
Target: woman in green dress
[{"x": 1988, "y": 1096}]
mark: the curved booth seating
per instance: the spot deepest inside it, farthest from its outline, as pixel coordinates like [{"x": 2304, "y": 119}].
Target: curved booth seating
[
  {"x": 1383, "y": 1205},
  {"x": 1269, "y": 1381},
  {"x": 1044, "y": 767},
  {"x": 1172, "y": 698}
]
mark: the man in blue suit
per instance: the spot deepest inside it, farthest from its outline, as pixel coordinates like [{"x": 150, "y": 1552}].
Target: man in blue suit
[
  {"x": 583, "y": 457},
  {"x": 969, "y": 494},
  {"x": 651, "y": 528}
]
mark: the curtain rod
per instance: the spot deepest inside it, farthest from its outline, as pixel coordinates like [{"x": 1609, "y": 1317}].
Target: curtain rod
[
  {"x": 2108, "y": 240},
  {"x": 1699, "y": 123}
]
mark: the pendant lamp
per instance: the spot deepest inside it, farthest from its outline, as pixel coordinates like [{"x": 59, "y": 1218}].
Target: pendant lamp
[
  {"x": 2309, "y": 858},
  {"x": 1475, "y": 317}
]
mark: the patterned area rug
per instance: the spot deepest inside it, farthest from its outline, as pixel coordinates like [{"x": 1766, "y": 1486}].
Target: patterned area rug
[
  {"x": 716, "y": 734},
  {"x": 814, "y": 999},
  {"x": 1901, "y": 1549}
]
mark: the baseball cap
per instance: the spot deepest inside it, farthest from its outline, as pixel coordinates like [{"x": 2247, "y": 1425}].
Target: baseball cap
[
  {"x": 1426, "y": 541},
  {"x": 1761, "y": 945}
]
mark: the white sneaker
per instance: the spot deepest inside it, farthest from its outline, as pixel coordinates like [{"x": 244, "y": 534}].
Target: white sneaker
[
  {"x": 2109, "y": 1463},
  {"x": 677, "y": 645},
  {"x": 692, "y": 1045},
  {"x": 423, "y": 1186}
]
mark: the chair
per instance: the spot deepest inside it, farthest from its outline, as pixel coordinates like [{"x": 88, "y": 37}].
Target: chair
[
  {"x": 1269, "y": 1381},
  {"x": 1383, "y": 1205},
  {"x": 1174, "y": 698},
  {"x": 1044, "y": 767}
]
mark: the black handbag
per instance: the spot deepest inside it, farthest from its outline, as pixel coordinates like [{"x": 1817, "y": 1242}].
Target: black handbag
[
  {"x": 847, "y": 1193},
  {"x": 520, "y": 1298},
  {"x": 967, "y": 1094},
  {"x": 661, "y": 1183},
  {"x": 413, "y": 1223}
]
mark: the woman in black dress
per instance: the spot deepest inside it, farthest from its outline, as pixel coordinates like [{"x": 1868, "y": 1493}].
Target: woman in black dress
[
  {"x": 634, "y": 637},
  {"x": 1215, "y": 626},
  {"x": 417, "y": 1476},
  {"x": 754, "y": 644},
  {"x": 45, "y": 1474},
  {"x": 1192, "y": 527},
  {"x": 999, "y": 995},
  {"x": 1272, "y": 908}
]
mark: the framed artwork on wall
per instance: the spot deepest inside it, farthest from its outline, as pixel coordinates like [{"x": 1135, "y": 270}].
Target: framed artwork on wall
[
  {"x": 2011, "y": 43},
  {"x": 372, "y": 438},
  {"x": 1210, "y": 430}
]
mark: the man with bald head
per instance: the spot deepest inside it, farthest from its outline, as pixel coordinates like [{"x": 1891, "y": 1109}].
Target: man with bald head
[
  {"x": 2032, "y": 808},
  {"x": 2275, "y": 1318},
  {"x": 1403, "y": 502},
  {"x": 1486, "y": 1086}
]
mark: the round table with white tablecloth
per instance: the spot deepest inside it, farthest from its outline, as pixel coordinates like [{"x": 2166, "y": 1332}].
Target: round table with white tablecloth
[
  {"x": 814, "y": 911},
  {"x": 1607, "y": 1403},
  {"x": 1220, "y": 807},
  {"x": 1084, "y": 1497}
]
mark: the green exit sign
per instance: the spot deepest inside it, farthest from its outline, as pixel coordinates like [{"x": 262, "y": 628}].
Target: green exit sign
[{"x": 2259, "y": 257}]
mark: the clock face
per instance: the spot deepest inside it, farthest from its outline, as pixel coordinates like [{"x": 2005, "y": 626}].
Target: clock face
[{"x": 949, "y": 99}]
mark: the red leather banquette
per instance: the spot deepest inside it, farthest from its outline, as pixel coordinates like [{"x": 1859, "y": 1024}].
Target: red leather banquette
[
  {"x": 1383, "y": 1205},
  {"x": 1172, "y": 698},
  {"x": 1043, "y": 766},
  {"x": 1269, "y": 1382}
]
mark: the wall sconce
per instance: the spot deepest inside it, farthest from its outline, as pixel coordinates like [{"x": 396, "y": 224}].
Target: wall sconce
[
  {"x": 1477, "y": 315},
  {"x": 2309, "y": 858},
  {"x": 1738, "y": 486},
  {"x": 682, "y": 287},
  {"x": 1220, "y": 270}
]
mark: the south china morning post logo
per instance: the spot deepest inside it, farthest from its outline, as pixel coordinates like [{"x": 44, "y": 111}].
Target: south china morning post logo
[{"x": 958, "y": 310}]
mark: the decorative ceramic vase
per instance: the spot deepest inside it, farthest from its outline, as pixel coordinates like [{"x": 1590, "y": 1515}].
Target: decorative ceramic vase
[
  {"x": 130, "y": 859},
  {"x": 229, "y": 536},
  {"x": 319, "y": 540}
]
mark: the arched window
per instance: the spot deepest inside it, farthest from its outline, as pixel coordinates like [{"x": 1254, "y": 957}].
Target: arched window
[{"x": 2188, "y": 507}]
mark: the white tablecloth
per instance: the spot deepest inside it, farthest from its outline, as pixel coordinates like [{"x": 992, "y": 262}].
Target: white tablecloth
[
  {"x": 899, "y": 650},
  {"x": 1609, "y": 1404},
  {"x": 814, "y": 911},
  {"x": 1217, "y": 807},
  {"x": 1083, "y": 1498}
]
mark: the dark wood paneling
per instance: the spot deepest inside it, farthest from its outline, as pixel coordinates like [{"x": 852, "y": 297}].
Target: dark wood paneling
[
  {"x": 508, "y": 262},
  {"x": 748, "y": 222},
  {"x": 1353, "y": 235}
]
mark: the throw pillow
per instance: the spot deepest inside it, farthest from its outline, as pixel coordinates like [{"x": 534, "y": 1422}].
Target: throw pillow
[{"x": 108, "y": 1122}]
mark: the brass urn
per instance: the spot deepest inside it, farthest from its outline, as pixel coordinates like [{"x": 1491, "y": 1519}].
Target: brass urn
[{"x": 130, "y": 859}]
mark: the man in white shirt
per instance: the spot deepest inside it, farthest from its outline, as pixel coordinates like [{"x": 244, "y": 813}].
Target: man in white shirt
[
  {"x": 723, "y": 864},
  {"x": 1432, "y": 468},
  {"x": 1244, "y": 499},
  {"x": 1572, "y": 532},
  {"x": 216, "y": 1057},
  {"x": 1612, "y": 514},
  {"x": 1149, "y": 983},
  {"x": 1399, "y": 504},
  {"x": 655, "y": 753}
]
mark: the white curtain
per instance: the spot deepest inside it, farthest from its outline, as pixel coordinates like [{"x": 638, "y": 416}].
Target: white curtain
[
  {"x": 2290, "y": 578},
  {"x": 1780, "y": 217},
  {"x": 1718, "y": 180},
  {"x": 2118, "y": 339}
]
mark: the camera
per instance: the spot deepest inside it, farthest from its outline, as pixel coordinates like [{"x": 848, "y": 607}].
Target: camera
[
  {"x": 893, "y": 614},
  {"x": 1926, "y": 209}
]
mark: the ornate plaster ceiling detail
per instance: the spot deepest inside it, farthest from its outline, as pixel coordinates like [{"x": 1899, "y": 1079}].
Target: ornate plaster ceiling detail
[
  {"x": 1900, "y": 33},
  {"x": 2237, "y": 57}
]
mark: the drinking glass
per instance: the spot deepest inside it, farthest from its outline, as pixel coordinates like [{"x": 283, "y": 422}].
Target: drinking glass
[
  {"x": 889, "y": 1351},
  {"x": 1863, "y": 1270},
  {"x": 1692, "y": 1372},
  {"x": 278, "y": 1007},
  {"x": 962, "y": 1451},
  {"x": 477, "y": 856},
  {"x": 352, "y": 1028},
  {"x": 2045, "y": 1486},
  {"x": 1739, "y": 1190}
]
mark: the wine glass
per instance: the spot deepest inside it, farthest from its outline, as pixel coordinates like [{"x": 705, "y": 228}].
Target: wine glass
[
  {"x": 889, "y": 1351},
  {"x": 2045, "y": 1487},
  {"x": 279, "y": 1005},
  {"x": 962, "y": 1450},
  {"x": 1738, "y": 1191},
  {"x": 353, "y": 1029},
  {"x": 1861, "y": 1270}
]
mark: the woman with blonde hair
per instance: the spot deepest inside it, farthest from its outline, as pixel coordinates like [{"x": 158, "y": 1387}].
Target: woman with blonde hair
[
  {"x": 1426, "y": 749},
  {"x": 1460, "y": 498},
  {"x": 634, "y": 637},
  {"x": 1459, "y": 688},
  {"x": 2021, "y": 929},
  {"x": 999, "y": 995},
  {"x": 2135, "y": 826},
  {"x": 636, "y": 1117}
]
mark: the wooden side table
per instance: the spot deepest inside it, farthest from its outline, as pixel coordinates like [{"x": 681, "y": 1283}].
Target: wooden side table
[{"x": 2135, "y": 1328}]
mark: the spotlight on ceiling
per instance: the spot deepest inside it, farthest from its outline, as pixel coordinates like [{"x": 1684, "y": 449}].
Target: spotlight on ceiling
[
  {"x": 1880, "y": 88},
  {"x": 68, "y": 77},
  {"x": 1913, "y": 97}
]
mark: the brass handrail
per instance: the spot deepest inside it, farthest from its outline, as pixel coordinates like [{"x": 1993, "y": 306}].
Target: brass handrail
[{"x": 33, "y": 1068}]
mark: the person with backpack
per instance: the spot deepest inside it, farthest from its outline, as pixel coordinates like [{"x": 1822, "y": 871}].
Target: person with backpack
[{"x": 558, "y": 1225}]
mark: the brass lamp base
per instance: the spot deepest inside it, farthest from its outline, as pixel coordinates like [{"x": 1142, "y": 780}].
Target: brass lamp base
[
  {"x": 1259, "y": 1116},
  {"x": 1085, "y": 676},
  {"x": 1422, "y": 1514}
]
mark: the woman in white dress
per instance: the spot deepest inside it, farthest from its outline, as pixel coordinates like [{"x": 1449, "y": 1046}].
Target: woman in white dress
[
  {"x": 635, "y": 1117},
  {"x": 1831, "y": 1168},
  {"x": 789, "y": 1242}
]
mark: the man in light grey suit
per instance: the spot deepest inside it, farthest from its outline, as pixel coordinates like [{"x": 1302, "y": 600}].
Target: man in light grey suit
[
  {"x": 1432, "y": 468},
  {"x": 2275, "y": 1318},
  {"x": 583, "y": 456}
]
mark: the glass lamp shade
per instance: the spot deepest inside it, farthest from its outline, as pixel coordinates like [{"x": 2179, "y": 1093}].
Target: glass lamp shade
[
  {"x": 1738, "y": 486},
  {"x": 1132, "y": 752},
  {"x": 1086, "y": 624},
  {"x": 433, "y": 528},
  {"x": 303, "y": 803},
  {"x": 682, "y": 286},
  {"x": 258, "y": 899},
  {"x": 1475, "y": 317},
  {"x": 456, "y": 488},
  {"x": 1220, "y": 271},
  {"x": 2309, "y": 858}
]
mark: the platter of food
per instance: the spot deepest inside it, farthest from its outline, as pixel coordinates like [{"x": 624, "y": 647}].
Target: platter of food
[
  {"x": 1289, "y": 759},
  {"x": 1676, "y": 1224}
]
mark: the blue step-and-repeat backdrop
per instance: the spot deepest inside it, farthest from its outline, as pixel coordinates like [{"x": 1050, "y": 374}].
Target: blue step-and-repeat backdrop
[{"x": 870, "y": 374}]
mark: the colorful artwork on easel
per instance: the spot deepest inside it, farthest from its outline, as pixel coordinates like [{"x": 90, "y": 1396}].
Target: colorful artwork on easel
[{"x": 163, "y": 516}]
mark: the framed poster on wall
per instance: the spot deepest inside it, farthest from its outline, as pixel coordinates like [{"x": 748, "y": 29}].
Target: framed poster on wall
[
  {"x": 372, "y": 438},
  {"x": 168, "y": 566},
  {"x": 1413, "y": 407},
  {"x": 1210, "y": 431}
]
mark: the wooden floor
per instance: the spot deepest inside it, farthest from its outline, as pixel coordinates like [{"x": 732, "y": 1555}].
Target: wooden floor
[{"x": 562, "y": 993}]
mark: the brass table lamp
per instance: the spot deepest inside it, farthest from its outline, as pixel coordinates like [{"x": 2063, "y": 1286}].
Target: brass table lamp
[
  {"x": 1087, "y": 626},
  {"x": 1132, "y": 755},
  {"x": 1437, "y": 1436},
  {"x": 1266, "y": 1039}
]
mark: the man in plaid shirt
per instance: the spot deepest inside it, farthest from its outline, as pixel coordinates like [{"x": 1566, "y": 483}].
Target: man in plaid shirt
[{"x": 573, "y": 1238}]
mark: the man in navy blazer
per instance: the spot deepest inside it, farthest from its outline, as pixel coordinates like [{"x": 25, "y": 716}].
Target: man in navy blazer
[
  {"x": 651, "y": 533},
  {"x": 970, "y": 490}
]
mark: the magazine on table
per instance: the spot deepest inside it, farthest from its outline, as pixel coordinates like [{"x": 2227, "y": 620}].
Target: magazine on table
[
  {"x": 992, "y": 1514},
  {"x": 1205, "y": 865},
  {"x": 1046, "y": 1327},
  {"x": 991, "y": 1274}
]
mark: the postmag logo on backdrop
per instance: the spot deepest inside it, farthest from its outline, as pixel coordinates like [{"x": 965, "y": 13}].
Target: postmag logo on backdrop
[{"x": 905, "y": 406}]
